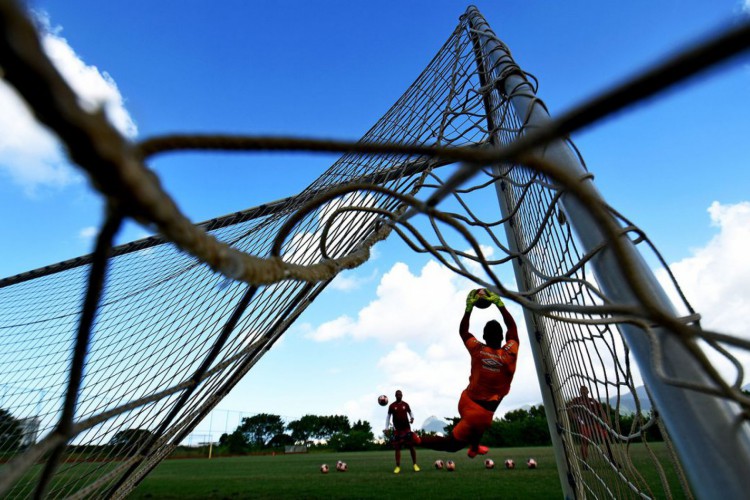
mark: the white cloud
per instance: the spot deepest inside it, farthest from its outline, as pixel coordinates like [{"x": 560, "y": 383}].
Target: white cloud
[
  {"x": 88, "y": 233},
  {"x": 31, "y": 155},
  {"x": 407, "y": 307},
  {"x": 473, "y": 266},
  {"x": 332, "y": 330},
  {"x": 746, "y": 6},
  {"x": 349, "y": 280},
  {"x": 304, "y": 247},
  {"x": 715, "y": 277},
  {"x": 96, "y": 89}
]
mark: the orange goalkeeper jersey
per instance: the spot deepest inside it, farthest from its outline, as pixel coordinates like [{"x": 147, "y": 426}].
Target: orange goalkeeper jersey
[{"x": 491, "y": 369}]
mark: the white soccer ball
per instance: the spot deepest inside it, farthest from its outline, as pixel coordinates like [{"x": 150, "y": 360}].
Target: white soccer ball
[
  {"x": 341, "y": 466},
  {"x": 382, "y": 400},
  {"x": 510, "y": 464},
  {"x": 450, "y": 465},
  {"x": 489, "y": 463},
  {"x": 531, "y": 463},
  {"x": 324, "y": 468},
  {"x": 439, "y": 464}
]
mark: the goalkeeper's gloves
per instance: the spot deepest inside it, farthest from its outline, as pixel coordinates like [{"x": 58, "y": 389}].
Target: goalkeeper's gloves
[
  {"x": 494, "y": 298},
  {"x": 471, "y": 299}
]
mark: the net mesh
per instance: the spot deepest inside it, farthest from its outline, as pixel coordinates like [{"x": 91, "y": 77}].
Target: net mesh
[{"x": 110, "y": 360}]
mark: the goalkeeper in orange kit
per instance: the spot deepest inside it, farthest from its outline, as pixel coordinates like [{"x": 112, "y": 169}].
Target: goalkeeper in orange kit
[{"x": 493, "y": 365}]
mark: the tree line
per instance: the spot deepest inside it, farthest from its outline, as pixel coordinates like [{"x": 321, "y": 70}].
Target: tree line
[
  {"x": 267, "y": 431},
  {"x": 518, "y": 428},
  {"x": 523, "y": 427}
]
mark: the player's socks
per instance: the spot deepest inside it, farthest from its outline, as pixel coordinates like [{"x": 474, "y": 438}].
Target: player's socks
[
  {"x": 416, "y": 468},
  {"x": 397, "y": 470}
]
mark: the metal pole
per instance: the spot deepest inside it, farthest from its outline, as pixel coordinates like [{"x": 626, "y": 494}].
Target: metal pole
[
  {"x": 713, "y": 446},
  {"x": 539, "y": 343}
]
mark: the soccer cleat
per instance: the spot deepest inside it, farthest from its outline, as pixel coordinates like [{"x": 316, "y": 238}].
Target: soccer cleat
[
  {"x": 478, "y": 450},
  {"x": 416, "y": 468},
  {"x": 397, "y": 470}
]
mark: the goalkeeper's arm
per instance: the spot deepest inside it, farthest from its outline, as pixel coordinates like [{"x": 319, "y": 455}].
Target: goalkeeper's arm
[
  {"x": 463, "y": 328},
  {"x": 510, "y": 324}
]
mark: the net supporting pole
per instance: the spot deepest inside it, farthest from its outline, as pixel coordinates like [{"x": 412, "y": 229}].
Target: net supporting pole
[
  {"x": 704, "y": 428},
  {"x": 538, "y": 343}
]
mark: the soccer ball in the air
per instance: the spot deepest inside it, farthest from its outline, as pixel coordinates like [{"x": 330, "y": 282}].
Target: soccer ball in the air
[
  {"x": 382, "y": 400},
  {"x": 489, "y": 463},
  {"x": 510, "y": 464},
  {"x": 439, "y": 464},
  {"x": 531, "y": 463},
  {"x": 324, "y": 468},
  {"x": 341, "y": 466},
  {"x": 450, "y": 465}
]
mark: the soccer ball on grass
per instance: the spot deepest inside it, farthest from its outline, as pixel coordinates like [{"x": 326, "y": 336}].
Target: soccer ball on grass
[
  {"x": 489, "y": 463},
  {"x": 531, "y": 463},
  {"x": 450, "y": 465},
  {"x": 510, "y": 464},
  {"x": 439, "y": 464},
  {"x": 324, "y": 468}
]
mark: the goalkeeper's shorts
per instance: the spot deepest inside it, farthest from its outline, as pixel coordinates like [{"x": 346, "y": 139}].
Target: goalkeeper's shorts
[{"x": 474, "y": 419}]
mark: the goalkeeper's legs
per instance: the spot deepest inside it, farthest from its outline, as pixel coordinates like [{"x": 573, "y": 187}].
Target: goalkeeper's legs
[{"x": 441, "y": 443}]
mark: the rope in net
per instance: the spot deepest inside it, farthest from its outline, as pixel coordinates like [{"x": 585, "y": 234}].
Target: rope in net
[{"x": 110, "y": 360}]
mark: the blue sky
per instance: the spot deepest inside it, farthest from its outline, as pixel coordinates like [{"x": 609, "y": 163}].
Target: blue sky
[{"x": 677, "y": 164}]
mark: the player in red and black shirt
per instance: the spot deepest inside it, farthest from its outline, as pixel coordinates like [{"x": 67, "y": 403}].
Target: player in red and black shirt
[
  {"x": 492, "y": 368},
  {"x": 401, "y": 435}
]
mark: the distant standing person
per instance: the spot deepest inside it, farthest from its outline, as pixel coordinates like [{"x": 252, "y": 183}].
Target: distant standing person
[
  {"x": 401, "y": 435},
  {"x": 589, "y": 416},
  {"x": 492, "y": 368}
]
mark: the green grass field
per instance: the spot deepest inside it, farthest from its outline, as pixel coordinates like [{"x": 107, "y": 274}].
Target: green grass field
[{"x": 370, "y": 475}]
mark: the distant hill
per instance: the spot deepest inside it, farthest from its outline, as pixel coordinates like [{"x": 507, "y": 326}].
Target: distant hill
[
  {"x": 434, "y": 424},
  {"x": 627, "y": 401}
]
